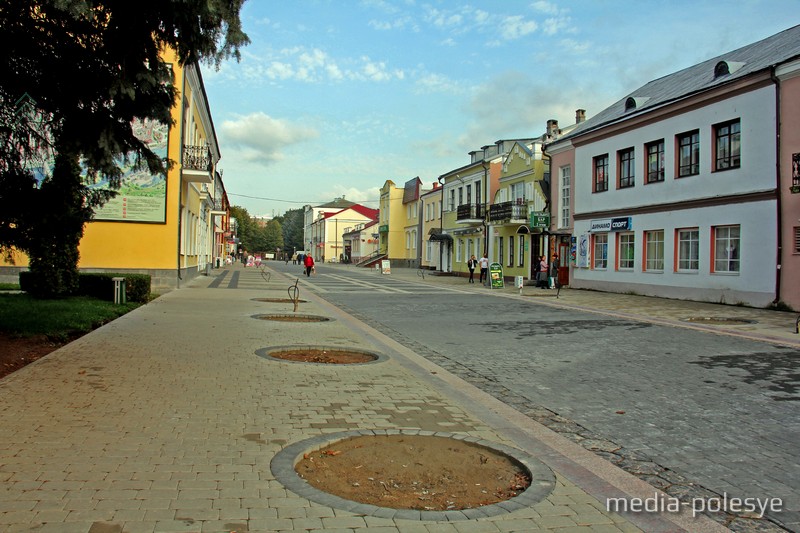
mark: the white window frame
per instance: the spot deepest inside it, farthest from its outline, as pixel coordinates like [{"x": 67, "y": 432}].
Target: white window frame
[
  {"x": 624, "y": 246},
  {"x": 600, "y": 256},
  {"x": 656, "y": 245},
  {"x": 564, "y": 178},
  {"x": 687, "y": 242},
  {"x": 723, "y": 243}
]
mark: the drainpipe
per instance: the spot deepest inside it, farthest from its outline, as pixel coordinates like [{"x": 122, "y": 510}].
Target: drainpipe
[
  {"x": 180, "y": 177},
  {"x": 779, "y": 204},
  {"x": 441, "y": 220},
  {"x": 485, "y": 211}
]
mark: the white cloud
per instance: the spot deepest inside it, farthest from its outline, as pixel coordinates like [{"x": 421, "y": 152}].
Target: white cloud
[
  {"x": 515, "y": 27},
  {"x": 260, "y": 137},
  {"x": 545, "y": 7},
  {"x": 369, "y": 196}
]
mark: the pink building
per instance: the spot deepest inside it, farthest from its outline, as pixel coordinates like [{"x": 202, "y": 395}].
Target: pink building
[{"x": 788, "y": 104}]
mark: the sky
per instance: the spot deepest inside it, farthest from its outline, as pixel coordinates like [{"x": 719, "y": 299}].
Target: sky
[{"x": 333, "y": 98}]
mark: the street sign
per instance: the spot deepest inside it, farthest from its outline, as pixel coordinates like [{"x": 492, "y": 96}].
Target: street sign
[{"x": 540, "y": 220}]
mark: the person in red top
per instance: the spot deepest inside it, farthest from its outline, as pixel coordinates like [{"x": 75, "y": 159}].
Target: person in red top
[{"x": 308, "y": 261}]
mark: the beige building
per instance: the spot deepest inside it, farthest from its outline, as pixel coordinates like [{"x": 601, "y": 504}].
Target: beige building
[{"x": 431, "y": 228}]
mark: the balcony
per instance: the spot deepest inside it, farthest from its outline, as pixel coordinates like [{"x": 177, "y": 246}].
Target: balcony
[
  {"x": 511, "y": 212},
  {"x": 473, "y": 213},
  {"x": 196, "y": 166}
]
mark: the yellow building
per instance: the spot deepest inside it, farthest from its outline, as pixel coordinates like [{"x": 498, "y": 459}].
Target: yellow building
[
  {"x": 391, "y": 222},
  {"x": 171, "y": 227},
  {"x": 517, "y": 214}
]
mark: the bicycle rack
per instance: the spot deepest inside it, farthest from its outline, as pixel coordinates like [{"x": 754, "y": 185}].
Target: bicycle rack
[
  {"x": 264, "y": 274},
  {"x": 294, "y": 293}
]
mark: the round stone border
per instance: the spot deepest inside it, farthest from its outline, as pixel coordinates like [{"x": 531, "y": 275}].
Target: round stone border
[
  {"x": 277, "y": 300},
  {"x": 719, "y": 320},
  {"x": 300, "y": 319},
  {"x": 266, "y": 353},
  {"x": 282, "y": 465}
]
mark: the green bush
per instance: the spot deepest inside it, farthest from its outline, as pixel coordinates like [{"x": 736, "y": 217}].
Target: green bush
[
  {"x": 97, "y": 285},
  {"x": 101, "y": 285}
]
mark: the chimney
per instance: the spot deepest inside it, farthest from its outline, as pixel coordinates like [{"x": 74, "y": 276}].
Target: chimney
[
  {"x": 552, "y": 127},
  {"x": 580, "y": 115}
]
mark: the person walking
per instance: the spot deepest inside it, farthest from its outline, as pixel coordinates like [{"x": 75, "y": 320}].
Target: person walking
[
  {"x": 554, "y": 264},
  {"x": 484, "y": 264},
  {"x": 543, "y": 270},
  {"x": 471, "y": 264},
  {"x": 308, "y": 261}
]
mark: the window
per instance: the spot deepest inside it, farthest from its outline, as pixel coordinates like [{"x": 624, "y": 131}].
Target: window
[
  {"x": 601, "y": 173},
  {"x": 469, "y": 194},
  {"x": 726, "y": 248},
  {"x": 500, "y": 250},
  {"x": 510, "y": 250},
  {"x": 654, "y": 250},
  {"x": 459, "y": 245},
  {"x": 521, "y": 248},
  {"x": 451, "y": 201},
  {"x": 461, "y": 196},
  {"x": 600, "y": 251},
  {"x": 797, "y": 239},
  {"x": 477, "y": 193},
  {"x": 564, "y": 197},
  {"x": 625, "y": 243},
  {"x": 518, "y": 192},
  {"x": 655, "y": 161},
  {"x": 689, "y": 154},
  {"x": 688, "y": 242},
  {"x": 625, "y": 168},
  {"x": 469, "y": 249},
  {"x": 727, "y": 147},
  {"x": 408, "y": 240}
]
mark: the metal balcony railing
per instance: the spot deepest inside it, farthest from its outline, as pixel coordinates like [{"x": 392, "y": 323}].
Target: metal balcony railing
[
  {"x": 470, "y": 212},
  {"x": 508, "y": 211},
  {"x": 196, "y": 158}
]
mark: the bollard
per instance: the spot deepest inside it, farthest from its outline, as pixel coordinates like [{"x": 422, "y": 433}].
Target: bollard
[{"x": 119, "y": 291}]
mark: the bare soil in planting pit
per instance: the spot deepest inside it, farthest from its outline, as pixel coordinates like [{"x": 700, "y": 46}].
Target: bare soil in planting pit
[
  {"x": 333, "y": 357},
  {"x": 293, "y": 318},
  {"x": 17, "y": 352},
  {"x": 414, "y": 472}
]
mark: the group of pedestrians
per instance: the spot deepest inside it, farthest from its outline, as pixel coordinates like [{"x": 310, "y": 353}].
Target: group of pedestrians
[
  {"x": 483, "y": 263},
  {"x": 546, "y": 274}
]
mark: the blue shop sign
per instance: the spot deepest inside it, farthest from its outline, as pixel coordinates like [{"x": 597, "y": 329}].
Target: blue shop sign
[{"x": 612, "y": 224}]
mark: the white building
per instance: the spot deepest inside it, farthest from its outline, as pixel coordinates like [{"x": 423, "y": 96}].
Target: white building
[{"x": 674, "y": 186}]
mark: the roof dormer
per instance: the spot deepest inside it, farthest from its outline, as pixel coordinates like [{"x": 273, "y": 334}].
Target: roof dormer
[{"x": 723, "y": 68}]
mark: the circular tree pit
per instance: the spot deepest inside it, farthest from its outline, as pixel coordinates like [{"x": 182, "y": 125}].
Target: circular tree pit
[
  {"x": 414, "y": 472},
  {"x": 292, "y": 318}
]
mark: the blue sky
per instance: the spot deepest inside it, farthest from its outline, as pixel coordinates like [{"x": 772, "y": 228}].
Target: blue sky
[{"x": 333, "y": 98}]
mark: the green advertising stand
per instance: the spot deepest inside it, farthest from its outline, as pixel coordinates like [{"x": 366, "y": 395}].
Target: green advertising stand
[{"x": 496, "y": 276}]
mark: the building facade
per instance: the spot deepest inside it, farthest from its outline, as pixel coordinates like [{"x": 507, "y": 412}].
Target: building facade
[
  {"x": 431, "y": 228},
  {"x": 168, "y": 226},
  {"x": 674, "y": 187}
]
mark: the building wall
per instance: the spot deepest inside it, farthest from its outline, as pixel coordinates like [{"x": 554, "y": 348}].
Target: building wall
[
  {"x": 392, "y": 214},
  {"x": 655, "y": 206},
  {"x": 431, "y": 219},
  {"x": 790, "y": 202},
  {"x": 173, "y": 251}
]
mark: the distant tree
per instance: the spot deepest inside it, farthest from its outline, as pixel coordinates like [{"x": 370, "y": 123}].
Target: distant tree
[
  {"x": 273, "y": 236},
  {"x": 87, "y": 69},
  {"x": 246, "y": 228},
  {"x": 292, "y": 225}
]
